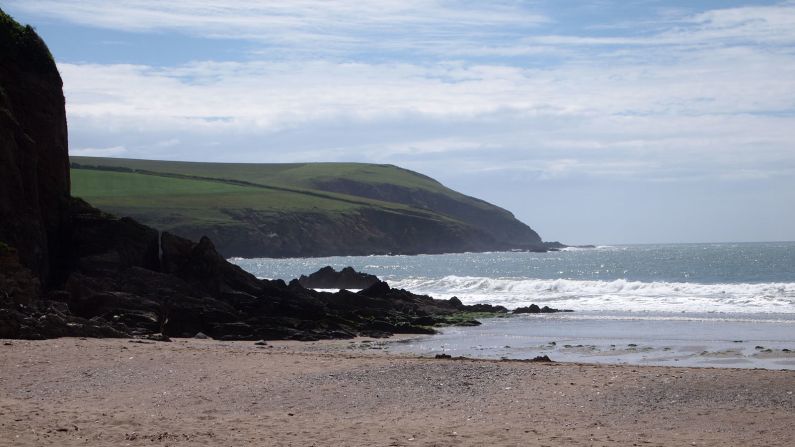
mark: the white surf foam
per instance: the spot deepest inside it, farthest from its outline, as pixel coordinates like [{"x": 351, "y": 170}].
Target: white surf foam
[
  {"x": 596, "y": 248},
  {"x": 618, "y": 295}
]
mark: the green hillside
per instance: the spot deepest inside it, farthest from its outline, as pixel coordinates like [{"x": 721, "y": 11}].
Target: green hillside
[{"x": 308, "y": 209}]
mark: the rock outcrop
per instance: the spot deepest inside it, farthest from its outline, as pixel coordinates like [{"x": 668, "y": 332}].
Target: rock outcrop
[
  {"x": 534, "y": 309},
  {"x": 347, "y": 278},
  {"x": 125, "y": 279}
]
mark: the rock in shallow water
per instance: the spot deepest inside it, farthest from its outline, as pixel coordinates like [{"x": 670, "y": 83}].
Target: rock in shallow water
[
  {"x": 534, "y": 309},
  {"x": 347, "y": 278}
]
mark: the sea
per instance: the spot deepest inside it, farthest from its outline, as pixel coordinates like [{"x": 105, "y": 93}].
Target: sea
[{"x": 710, "y": 305}]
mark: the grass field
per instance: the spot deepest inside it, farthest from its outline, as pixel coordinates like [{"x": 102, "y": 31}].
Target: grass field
[
  {"x": 171, "y": 202},
  {"x": 299, "y": 176},
  {"x": 276, "y": 187},
  {"x": 129, "y": 189},
  {"x": 307, "y": 201}
]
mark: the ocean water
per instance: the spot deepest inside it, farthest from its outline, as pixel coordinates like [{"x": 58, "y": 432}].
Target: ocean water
[{"x": 729, "y": 304}]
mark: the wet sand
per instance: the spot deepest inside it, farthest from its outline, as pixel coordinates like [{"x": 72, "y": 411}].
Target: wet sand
[
  {"x": 705, "y": 340},
  {"x": 337, "y": 393}
]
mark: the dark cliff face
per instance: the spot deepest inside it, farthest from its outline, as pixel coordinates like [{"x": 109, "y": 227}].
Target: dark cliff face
[
  {"x": 473, "y": 225},
  {"x": 360, "y": 233},
  {"x": 498, "y": 227},
  {"x": 34, "y": 161}
]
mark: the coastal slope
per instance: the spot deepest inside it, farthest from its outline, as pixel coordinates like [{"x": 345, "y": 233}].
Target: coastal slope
[{"x": 299, "y": 209}]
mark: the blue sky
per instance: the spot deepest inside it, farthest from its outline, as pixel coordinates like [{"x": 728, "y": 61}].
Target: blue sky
[{"x": 593, "y": 121}]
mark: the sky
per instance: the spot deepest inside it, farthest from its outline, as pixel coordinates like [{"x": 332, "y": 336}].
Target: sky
[{"x": 593, "y": 121}]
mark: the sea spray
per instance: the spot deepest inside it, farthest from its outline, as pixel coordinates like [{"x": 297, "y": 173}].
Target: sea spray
[{"x": 617, "y": 295}]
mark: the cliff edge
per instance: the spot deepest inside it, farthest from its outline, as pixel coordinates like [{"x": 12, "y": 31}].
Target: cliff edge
[{"x": 34, "y": 160}]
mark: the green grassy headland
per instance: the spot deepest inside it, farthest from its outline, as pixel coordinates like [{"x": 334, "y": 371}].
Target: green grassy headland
[{"x": 188, "y": 197}]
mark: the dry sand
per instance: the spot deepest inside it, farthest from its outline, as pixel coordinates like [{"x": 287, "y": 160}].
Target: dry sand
[{"x": 202, "y": 392}]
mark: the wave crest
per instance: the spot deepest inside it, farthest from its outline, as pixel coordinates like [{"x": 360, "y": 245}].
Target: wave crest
[{"x": 618, "y": 295}]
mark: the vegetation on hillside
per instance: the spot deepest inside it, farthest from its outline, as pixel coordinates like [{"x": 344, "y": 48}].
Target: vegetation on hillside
[
  {"x": 16, "y": 39},
  {"x": 298, "y": 204}
]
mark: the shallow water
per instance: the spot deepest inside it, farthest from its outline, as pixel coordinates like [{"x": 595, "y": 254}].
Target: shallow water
[
  {"x": 680, "y": 304},
  {"x": 687, "y": 340}
]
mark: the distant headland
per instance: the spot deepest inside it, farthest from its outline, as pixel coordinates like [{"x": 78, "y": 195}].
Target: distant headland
[{"x": 300, "y": 209}]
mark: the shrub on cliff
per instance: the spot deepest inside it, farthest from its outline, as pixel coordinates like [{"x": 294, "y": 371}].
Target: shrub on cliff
[{"x": 17, "y": 39}]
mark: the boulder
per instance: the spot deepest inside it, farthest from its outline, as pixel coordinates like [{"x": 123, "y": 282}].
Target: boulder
[
  {"x": 531, "y": 309},
  {"x": 377, "y": 289},
  {"x": 18, "y": 285},
  {"x": 347, "y": 278},
  {"x": 488, "y": 308},
  {"x": 201, "y": 263},
  {"x": 534, "y": 309},
  {"x": 456, "y": 302}
]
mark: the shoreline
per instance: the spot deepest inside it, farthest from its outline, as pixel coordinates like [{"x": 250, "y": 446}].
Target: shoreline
[
  {"x": 74, "y": 391},
  {"x": 578, "y": 338}
]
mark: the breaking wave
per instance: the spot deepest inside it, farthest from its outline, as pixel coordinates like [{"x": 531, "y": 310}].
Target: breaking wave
[
  {"x": 596, "y": 248},
  {"x": 618, "y": 295}
]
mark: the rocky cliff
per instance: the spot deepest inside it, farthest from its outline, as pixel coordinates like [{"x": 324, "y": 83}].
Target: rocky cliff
[
  {"x": 69, "y": 269},
  {"x": 34, "y": 162},
  {"x": 497, "y": 228}
]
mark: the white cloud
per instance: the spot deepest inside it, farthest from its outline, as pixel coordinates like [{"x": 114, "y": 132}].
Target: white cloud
[
  {"x": 707, "y": 110},
  {"x": 274, "y": 95},
  {"x": 767, "y": 24},
  {"x": 296, "y": 23},
  {"x": 444, "y": 28},
  {"x": 771, "y": 28},
  {"x": 98, "y": 152},
  {"x": 701, "y": 95}
]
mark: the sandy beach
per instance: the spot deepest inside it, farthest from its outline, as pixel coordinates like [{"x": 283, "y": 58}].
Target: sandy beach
[{"x": 334, "y": 393}]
